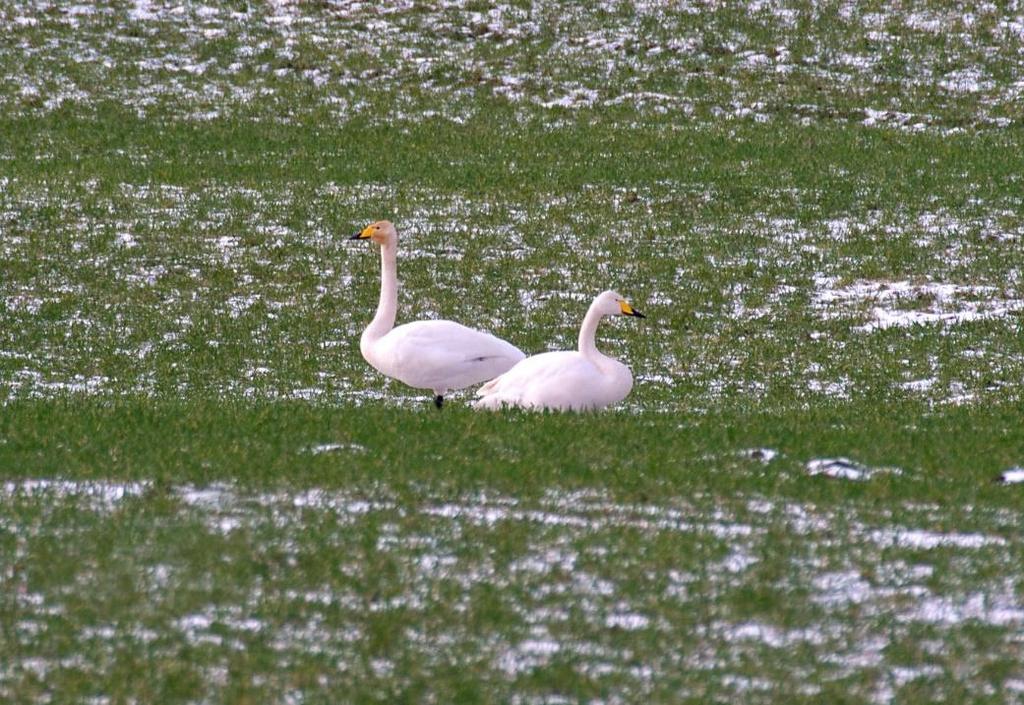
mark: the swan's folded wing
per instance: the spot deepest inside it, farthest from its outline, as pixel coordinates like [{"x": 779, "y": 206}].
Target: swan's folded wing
[
  {"x": 447, "y": 355},
  {"x": 557, "y": 379}
]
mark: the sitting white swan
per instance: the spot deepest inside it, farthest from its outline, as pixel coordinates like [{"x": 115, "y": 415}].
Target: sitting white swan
[
  {"x": 567, "y": 380},
  {"x": 435, "y": 355}
]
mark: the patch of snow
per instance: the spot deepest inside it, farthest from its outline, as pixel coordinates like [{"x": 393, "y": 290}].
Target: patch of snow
[
  {"x": 320, "y": 448},
  {"x": 967, "y": 80},
  {"x": 762, "y": 455},
  {"x": 922, "y": 539},
  {"x": 628, "y": 621},
  {"x": 936, "y": 302},
  {"x": 836, "y": 589},
  {"x": 1012, "y": 476},
  {"x": 919, "y": 385},
  {"x": 840, "y": 468}
]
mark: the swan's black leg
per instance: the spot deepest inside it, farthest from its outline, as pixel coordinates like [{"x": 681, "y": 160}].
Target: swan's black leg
[{"x": 438, "y": 401}]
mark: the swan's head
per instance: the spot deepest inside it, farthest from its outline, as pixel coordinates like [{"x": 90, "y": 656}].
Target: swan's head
[
  {"x": 613, "y": 304},
  {"x": 382, "y": 232}
]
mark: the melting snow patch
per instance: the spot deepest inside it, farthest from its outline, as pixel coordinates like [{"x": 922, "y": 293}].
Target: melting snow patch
[
  {"x": 903, "y": 319},
  {"x": 922, "y": 539},
  {"x": 839, "y": 468},
  {"x": 125, "y": 240},
  {"x": 102, "y": 492},
  {"x": 762, "y": 455},
  {"x": 841, "y": 588},
  {"x": 903, "y": 675},
  {"x": 575, "y": 98},
  {"x": 238, "y": 305},
  {"x": 547, "y": 583},
  {"x": 927, "y": 21},
  {"x": 894, "y": 118},
  {"x": 528, "y": 654},
  {"x": 142, "y": 11},
  {"x": 1012, "y": 476},
  {"x": 320, "y": 448},
  {"x": 738, "y": 561},
  {"x": 996, "y": 610},
  {"x": 919, "y": 385},
  {"x": 935, "y": 302},
  {"x": 627, "y": 621},
  {"x": 965, "y": 81},
  {"x": 216, "y": 496},
  {"x": 773, "y": 636}
]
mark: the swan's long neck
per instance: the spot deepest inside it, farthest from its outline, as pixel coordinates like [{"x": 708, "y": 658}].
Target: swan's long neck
[
  {"x": 588, "y": 332},
  {"x": 387, "y": 307}
]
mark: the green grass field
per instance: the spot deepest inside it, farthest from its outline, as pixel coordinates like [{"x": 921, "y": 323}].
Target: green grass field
[{"x": 207, "y": 496}]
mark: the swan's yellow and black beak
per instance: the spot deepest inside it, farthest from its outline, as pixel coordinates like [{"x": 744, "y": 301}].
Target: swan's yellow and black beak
[
  {"x": 628, "y": 310},
  {"x": 363, "y": 234}
]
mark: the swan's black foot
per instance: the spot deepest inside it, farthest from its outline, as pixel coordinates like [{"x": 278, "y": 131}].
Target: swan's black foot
[{"x": 438, "y": 401}]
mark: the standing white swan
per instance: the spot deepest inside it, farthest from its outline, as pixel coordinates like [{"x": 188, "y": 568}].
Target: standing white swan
[
  {"x": 435, "y": 355},
  {"x": 567, "y": 380}
]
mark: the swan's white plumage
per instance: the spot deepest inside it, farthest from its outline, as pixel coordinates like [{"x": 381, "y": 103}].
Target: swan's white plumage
[
  {"x": 563, "y": 380},
  {"x": 435, "y": 355},
  {"x": 440, "y": 355},
  {"x": 567, "y": 380}
]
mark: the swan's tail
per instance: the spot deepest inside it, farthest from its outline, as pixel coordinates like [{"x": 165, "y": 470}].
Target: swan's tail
[
  {"x": 487, "y": 403},
  {"x": 488, "y": 387},
  {"x": 488, "y": 396}
]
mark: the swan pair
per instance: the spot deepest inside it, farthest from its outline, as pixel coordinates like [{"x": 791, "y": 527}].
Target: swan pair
[{"x": 444, "y": 355}]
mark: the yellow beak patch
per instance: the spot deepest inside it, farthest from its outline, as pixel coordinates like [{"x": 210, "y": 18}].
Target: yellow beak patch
[{"x": 627, "y": 310}]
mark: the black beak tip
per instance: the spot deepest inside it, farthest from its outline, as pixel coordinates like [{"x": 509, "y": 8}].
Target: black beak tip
[
  {"x": 638, "y": 314},
  {"x": 356, "y": 236}
]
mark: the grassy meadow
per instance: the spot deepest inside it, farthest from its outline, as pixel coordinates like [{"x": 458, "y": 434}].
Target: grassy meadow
[{"x": 207, "y": 496}]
